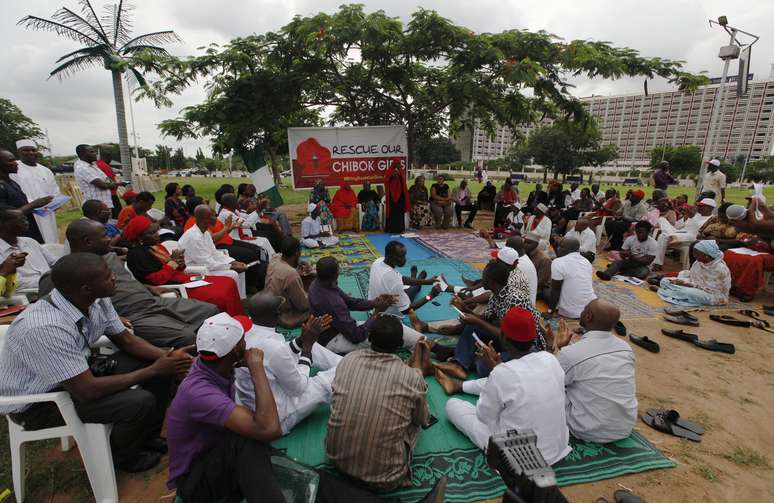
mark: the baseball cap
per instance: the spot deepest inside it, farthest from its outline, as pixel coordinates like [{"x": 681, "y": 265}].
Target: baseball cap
[
  {"x": 714, "y": 162},
  {"x": 638, "y": 194},
  {"x": 506, "y": 254},
  {"x": 311, "y": 207},
  {"x": 518, "y": 325},
  {"x": 219, "y": 334},
  {"x": 708, "y": 202}
]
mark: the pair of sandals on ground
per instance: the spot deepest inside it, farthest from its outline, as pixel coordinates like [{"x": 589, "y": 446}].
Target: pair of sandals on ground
[{"x": 683, "y": 317}]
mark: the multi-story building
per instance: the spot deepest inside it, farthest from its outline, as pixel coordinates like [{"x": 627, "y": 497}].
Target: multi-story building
[{"x": 636, "y": 124}]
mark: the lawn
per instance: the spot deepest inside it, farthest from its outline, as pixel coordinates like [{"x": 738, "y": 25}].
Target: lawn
[{"x": 206, "y": 187}]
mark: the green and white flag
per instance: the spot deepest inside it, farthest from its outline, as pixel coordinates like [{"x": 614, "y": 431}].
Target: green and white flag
[{"x": 264, "y": 184}]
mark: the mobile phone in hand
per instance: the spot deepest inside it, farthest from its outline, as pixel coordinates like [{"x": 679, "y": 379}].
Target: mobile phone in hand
[{"x": 430, "y": 421}]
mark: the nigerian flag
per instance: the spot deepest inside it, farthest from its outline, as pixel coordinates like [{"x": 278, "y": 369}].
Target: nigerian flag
[{"x": 261, "y": 175}]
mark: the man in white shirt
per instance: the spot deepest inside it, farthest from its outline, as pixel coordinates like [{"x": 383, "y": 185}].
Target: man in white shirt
[
  {"x": 525, "y": 265},
  {"x": 524, "y": 393},
  {"x": 575, "y": 193},
  {"x": 636, "y": 254},
  {"x": 13, "y": 223},
  {"x": 540, "y": 224},
  {"x": 586, "y": 237},
  {"x": 244, "y": 222},
  {"x": 714, "y": 180},
  {"x": 684, "y": 231},
  {"x": 93, "y": 182},
  {"x": 37, "y": 181},
  {"x": 597, "y": 194},
  {"x": 200, "y": 250},
  {"x": 571, "y": 280},
  {"x": 312, "y": 235},
  {"x": 287, "y": 365},
  {"x": 599, "y": 377}
]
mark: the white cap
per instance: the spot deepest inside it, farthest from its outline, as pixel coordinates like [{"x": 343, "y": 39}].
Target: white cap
[
  {"x": 708, "y": 202},
  {"x": 714, "y": 162},
  {"x": 311, "y": 207},
  {"x": 507, "y": 255},
  {"x": 542, "y": 207},
  {"x": 25, "y": 143},
  {"x": 736, "y": 212},
  {"x": 219, "y": 334}
]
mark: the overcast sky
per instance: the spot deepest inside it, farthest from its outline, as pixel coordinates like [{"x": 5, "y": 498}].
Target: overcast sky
[{"x": 80, "y": 109}]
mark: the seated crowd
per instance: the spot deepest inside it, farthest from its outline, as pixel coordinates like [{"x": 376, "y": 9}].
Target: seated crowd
[{"x": 212, "y": 363}]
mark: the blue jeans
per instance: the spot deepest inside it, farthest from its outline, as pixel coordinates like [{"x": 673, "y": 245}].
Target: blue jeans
[{"x": 465, "y": 351}]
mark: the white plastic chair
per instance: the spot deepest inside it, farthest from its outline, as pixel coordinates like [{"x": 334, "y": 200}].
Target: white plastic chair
[
  {"x": 93, "y": 441},
  {"x": 180, "y": 288}
]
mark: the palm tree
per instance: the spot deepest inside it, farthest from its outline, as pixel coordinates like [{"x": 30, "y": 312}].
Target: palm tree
[{"x": 107, "y": 43}]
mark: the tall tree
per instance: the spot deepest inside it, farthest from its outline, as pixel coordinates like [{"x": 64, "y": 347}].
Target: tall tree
[
  {"x": 566, "y": 145},
  {"x": 14, "y": 125},
  {"x": 199, "y": 155},
  {"x": 682, "y": 158},
  {"x": 107, "y": 43},
  {"x": 432, "y": 75},
  {"x": 178, "y": 160},
  {"x": 437, "y": 150}
]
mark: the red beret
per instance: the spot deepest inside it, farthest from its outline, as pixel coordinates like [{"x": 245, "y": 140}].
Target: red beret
[
  {"x": 518, "y": 325},
  {"x": 136, "y": 227},
  {"x": 129, "y": 194},
  {"x": 638, "y": 193}
]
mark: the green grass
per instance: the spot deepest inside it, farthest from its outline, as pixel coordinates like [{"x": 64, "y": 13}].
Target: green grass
[
  {"x": 206, "y": 187},
  {"x": 745, "y": 456},
  {"x": 707, "y": 472}
]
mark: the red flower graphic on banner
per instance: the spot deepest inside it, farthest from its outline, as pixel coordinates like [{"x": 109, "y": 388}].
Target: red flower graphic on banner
[{"x": 313, "y": 158}]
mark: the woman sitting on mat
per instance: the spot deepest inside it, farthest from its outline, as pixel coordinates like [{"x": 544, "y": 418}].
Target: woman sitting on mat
[
  {"x": 344, "y": 208},
  {"x": 707, "y": 283},
  {"x": 151, "y": 263}
]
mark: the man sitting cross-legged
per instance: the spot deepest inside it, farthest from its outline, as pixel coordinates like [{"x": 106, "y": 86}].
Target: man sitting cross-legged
[
  {"x": 47, "y": 347},
  {"x": 384, "y": 279},
  {"x": 159, "y": 320},
  {"x": 218, "y": 450},
  {"x": 283, "y": 278},
  {"x": 288, "y": 364},
  {"x": 345, "y": 334},
  {"x": 599, "y": 377},
  {"x": 378, "y": 406},
  {"x": 571, "y": 281},
  {"x": 636, "y": 254},
  {"x": 526, "y": 392},
  {"x": 504, "y": 295}
]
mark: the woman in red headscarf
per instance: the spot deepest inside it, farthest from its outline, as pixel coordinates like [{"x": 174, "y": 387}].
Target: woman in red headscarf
[
  {"x": 396, "y": 201},
  {"x": 344, "y": 208},
  {"x": 151, "y": 263}
]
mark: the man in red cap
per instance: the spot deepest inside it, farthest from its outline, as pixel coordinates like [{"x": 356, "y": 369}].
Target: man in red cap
[
  {"x": 632, "y": 210},
  {"x": 524, "y": 393}
]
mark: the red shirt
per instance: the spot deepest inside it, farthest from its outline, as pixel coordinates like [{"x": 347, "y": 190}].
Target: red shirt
[
  {"x": 125, "y": 215},
  {"x": 105, "y": 168}
]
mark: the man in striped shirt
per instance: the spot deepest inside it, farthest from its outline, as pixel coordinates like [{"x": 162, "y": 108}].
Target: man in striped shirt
[
  {"x": 47, "y": 348},
  {"x": 379, "y": 404}
]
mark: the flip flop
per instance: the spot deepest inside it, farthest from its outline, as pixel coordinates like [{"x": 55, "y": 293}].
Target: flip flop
[
  {"x": 730, "y": 320},
  {"x": 714, "y": 345},
  {"x": 677, "y": 310},
  {"x": 620, "y": 329},
  {"x": 661, "y": 422},
  {"x": 682, "y": 319},
  {"x": 754, "y": 315},
  {"x": 622, "y": 496},
  {"x": 679, "y": 334},
  {"x": 674, "y": 416},
  {"x": 646, "y": 343}
]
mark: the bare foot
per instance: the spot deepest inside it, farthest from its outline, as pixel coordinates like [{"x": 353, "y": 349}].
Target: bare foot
[
  {"x": 414, "y": 271},
  {"x": 452, "y": 369},
  {"x": 449, "y": 385},
  {"x": 451, "y": 329},
  {"x": 419, "y": 325},
  {"x": 424, "y": 359}
]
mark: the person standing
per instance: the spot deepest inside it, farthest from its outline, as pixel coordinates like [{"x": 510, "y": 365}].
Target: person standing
[
  {"x": 104, "y": 166},
  {"x": 463, "y": 201},
  {"x": 714, "y": 180},
  {"x": 37, "y": 182},
  {"x": 396, "y": 202},
  {"x": 662, "y": 176},
  {"x": 94, "y": 184},
  {"x": 12, "y": 195}
]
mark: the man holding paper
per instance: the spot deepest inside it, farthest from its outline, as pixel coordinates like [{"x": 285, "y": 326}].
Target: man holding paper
[{"x": 37, "y": 181}]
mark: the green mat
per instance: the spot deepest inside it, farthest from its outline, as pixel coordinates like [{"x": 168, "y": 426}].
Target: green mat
[
  {"x": 352, "y": 251},
  {"x": 443, "y": 450}
]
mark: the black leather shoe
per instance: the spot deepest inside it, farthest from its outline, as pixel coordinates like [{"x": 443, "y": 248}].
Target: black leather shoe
[
  {"x": 140, "y": 462},
  {"x": 646, "y": 343}
]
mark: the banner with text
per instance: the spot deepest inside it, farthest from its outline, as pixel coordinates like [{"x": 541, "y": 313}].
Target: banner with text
[{"x": 339, "y": 155}]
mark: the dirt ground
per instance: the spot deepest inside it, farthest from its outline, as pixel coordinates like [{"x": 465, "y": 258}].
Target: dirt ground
[{"x": 731, "y": 395}]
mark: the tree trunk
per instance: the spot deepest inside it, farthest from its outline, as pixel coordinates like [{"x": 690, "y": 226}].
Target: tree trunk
[
  {"x": 123, "y": 135},
  {"x": 410, "y": 144}
]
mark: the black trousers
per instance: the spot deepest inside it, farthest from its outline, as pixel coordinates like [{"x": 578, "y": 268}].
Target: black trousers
[
  {"x": 615, "y": 231},
  {"x": 236, "y": 468},
  {"x": 116, "y": 205},
  {"x": 501, "y": 212},
  {"x": 472, "y": 208},
  {"x": 245, "y": 252},
  {"x": 137, "y": 414}
]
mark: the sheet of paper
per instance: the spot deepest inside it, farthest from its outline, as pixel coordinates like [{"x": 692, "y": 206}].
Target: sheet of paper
[
  {"x": 410, "y": 235},
  {"x": 746, "y": 251},
  {"x": 54, "y": 205},
  {"x": 196, "y": 284},
  {"x": 628, "y": 279}
]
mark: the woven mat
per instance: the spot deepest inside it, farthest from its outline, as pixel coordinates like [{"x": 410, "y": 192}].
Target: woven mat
[{"x": 352, "y": 251}]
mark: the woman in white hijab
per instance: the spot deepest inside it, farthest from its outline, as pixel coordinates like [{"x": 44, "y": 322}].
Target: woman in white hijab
[{"x": 707, "y": 283}]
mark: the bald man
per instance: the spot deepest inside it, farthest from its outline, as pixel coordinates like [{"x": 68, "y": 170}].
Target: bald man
[
  {"x": 571, "y": 280},
  {"x": 200, "y": 249},
  {"x": 288, "y": 365},
  {"x": 599, "y": 379}
]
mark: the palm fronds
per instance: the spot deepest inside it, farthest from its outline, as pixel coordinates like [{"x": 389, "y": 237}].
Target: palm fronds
[
  {"x": 154, "y": 38},
  {"x": 75, "y": 65},
  {"x": 40, "y": 24},
  {"x": 74, "y": 20}
]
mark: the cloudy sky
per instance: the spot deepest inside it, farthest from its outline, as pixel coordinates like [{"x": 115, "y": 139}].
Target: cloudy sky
[{"x": 80, "y": 109}]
